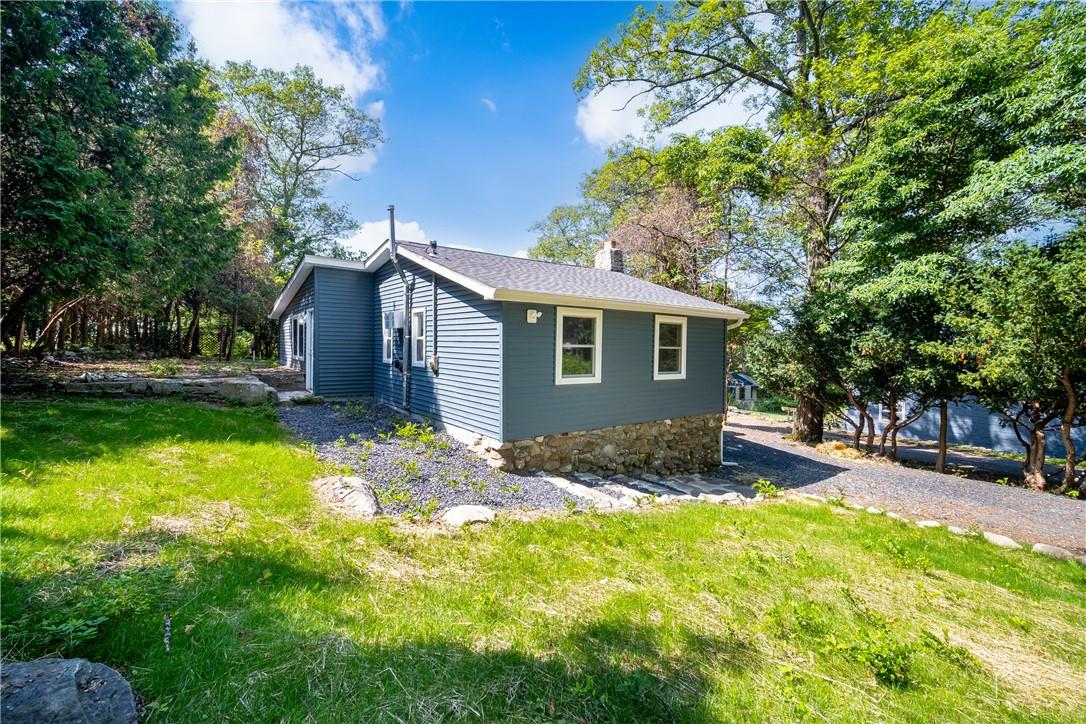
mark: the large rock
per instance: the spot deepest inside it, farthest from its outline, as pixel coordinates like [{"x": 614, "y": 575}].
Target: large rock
[
  {"x": 1054, "y": 552},
  {"x": 1000, "y": 540},
  {"x": 348, "y": 494},
  {"x": 64, "y": 691},
  {"x": 460, "y": 515}
]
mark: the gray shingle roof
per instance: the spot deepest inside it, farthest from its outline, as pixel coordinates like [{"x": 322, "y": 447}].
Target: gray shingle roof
[{"x": 533, "y": 276}]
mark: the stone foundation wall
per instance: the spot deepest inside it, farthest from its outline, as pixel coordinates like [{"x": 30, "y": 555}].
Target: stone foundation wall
[{"x": 662, "y": 447}]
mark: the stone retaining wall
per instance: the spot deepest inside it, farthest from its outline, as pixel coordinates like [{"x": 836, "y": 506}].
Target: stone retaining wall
[
  {"x": 662, "y": 447},
  {"x": 246, "y": 390}
]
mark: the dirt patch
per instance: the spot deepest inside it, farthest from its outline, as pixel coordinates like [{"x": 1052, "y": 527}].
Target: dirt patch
[{"x": 217, "y": 518}]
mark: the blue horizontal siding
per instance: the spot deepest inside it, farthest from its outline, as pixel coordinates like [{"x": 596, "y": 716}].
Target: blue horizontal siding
[
  {"x": 303, "y": 300},
  {"x": 343, "y": 321},
  {"x": 466, "y": 391},
  {"x": 627, "y": 394}
]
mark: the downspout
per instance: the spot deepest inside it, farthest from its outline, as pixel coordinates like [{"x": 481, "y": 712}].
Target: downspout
[
  {"x": 405, "y": 363},
  {"x": 724, "y": 417},
  {"x": 433, "y": 316}
]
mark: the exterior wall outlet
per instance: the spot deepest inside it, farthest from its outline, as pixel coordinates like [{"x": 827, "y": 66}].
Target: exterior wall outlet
[{"x": 534, "y": 315}]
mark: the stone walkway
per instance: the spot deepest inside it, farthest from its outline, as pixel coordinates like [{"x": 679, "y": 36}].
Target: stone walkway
[
  {"x": 1022, "y": 514},
  {"x": 622, "y": 491}
]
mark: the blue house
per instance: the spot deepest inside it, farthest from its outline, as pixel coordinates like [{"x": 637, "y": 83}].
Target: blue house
[{"x": 539, "y": 366}]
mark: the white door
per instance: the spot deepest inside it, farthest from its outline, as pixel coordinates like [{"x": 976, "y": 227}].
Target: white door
[{"x": 309, "y": 362}]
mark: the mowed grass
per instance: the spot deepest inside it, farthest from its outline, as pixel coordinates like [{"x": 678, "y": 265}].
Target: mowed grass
[{"x": 120, "y": 515}]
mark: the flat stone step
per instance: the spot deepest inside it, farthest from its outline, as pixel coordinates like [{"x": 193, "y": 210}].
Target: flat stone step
[{"x": 601, "y": 499}]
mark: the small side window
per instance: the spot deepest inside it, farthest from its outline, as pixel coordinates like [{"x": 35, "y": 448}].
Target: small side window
[
  {"x": 418, "y": 337},
  {"x": 386, "y": 347}
]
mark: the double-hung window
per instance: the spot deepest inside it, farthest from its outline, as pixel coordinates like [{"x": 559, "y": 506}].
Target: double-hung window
[
  {"x": 669, "y": 349},
  {"x": 578, "y": 346},
  {"x": 418, "y": 337}
]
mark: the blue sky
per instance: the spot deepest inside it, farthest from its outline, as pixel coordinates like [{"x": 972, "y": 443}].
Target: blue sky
[{"x": 484, "y": 131}]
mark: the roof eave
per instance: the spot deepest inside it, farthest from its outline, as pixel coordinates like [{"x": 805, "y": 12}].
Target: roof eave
[{"x": 307, "y": 264}]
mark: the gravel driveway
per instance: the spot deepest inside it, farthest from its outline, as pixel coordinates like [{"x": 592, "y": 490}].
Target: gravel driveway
[
  {"x": 757, "y": 445},
  {"x": 414, "y": 473}
]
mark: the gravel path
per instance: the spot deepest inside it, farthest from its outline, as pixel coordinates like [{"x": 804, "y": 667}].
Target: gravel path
[
  {"x": 414, "y": 473},
  {"x": 1022, "y": 514}
]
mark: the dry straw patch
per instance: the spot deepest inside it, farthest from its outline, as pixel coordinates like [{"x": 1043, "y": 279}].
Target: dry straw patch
[{"x": 1034, "y": 677}]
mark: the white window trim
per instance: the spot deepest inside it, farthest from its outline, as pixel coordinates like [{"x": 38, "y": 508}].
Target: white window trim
[
  {"x": 418, "y": 332},
  {"x": 597, "y": 356},
  {"x": 296, "y": 321},
  {"x": 386, "y": 342},
  {"x": 656, "y": 373}
]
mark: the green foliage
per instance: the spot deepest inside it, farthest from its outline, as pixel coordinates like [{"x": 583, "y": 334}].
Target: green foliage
[
  {"x": 300, "y": 130},
  {"x": 109, "y": 164},
  {"x": 417, "y": 435},
  {"x": 570, "y": 234},
  {"x": 767, "y": 488}
]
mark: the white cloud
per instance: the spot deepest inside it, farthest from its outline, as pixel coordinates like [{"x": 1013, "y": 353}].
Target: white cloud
[
  {"x": 491, "y": 105},
  {"x": 603, "y": 119},
  {"x": 468, "y": 247},
  {"x": 280, "y": 35},
  {"x": 372, "y": 233},
  {"x": 521, "y": 253}
]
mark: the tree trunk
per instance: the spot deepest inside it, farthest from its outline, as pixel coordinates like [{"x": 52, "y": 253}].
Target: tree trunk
[
  {"x": 808, "y": 424},
  {"x": 869, "y": 443},
  {"x": 940, "y": 458},
  {"x": 1035, "y": 459},
  {"x": 889, "y": 425},
  {"x": 193, "y": 332},
  {"x": 15, "y": 314},
  {"x": 234, "y": 337},
  {"x": 180, "y": 339},
  {"x": 20, "y": 332},
  {"x": 1065, "y": 432}
]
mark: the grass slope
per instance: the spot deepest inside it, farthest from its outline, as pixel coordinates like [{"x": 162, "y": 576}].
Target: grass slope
[{"x": 118, "y": 514}]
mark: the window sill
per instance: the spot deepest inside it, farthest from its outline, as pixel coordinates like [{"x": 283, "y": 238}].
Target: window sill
[{"x": 575, "y": 381}]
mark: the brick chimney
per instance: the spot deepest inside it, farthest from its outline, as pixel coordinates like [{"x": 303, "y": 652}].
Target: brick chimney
[{"x": 609, "y": 257}]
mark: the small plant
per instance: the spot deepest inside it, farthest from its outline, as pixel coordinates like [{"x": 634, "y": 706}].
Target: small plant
[
  {"x": 354, "y": 436},
  {"x": 905, "y": 557},
  {"x": 341, "y": 442},
  {"x": 424, "y": 511},
  {"x": 356, "y": 409},
  {"x": 571, "y": 505},
  {"x": 165, "y": 368},
  {"x": 394, "y": 494},
  {"x": 479, "y": 486},
  {"x": 410, "y": 467},
  {"x": 511, "y": 488},
  {"x": 768, "y": 489},
  {"x": 75, "y": 631},
  {"x": 890, "y": 660}
]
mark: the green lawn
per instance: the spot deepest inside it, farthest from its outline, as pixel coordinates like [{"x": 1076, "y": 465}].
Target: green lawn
[{"x": 118, "y": 514}]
